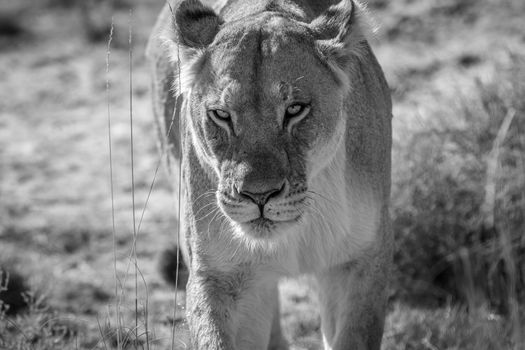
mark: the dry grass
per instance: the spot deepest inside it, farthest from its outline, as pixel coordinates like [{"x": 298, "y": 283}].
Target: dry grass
[
  {"x": 458, "y": 200},
  {"x": 55, "y": 213},
  {"x": 450, "y": 327}
]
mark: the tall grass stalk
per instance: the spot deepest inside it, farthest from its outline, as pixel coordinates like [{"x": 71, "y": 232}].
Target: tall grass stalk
[
  {"x": 132, "y": 156},
  {"x": 179, "y": 121},
  {"x": 517, "y": 331},
  {"x": 132, "y": 258},
  {"x": 102, "y": 335},
  {"x": 505, "y": 239},
  {"x": 110, "y": 149}
]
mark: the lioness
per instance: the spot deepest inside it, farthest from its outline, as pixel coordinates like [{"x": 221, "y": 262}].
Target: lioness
[{"x": 285, "y": 137}]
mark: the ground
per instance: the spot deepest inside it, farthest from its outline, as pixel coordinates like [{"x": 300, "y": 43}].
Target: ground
[{"x": 55, "y": 190}]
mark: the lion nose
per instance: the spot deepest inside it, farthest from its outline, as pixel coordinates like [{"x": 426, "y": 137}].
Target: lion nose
[{"x": 261, "y": 198}]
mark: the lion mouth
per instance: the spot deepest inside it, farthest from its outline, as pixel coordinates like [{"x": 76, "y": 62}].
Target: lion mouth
[
  {"x": 262, "y": 222},
  {"x": 263, "y": 227}
]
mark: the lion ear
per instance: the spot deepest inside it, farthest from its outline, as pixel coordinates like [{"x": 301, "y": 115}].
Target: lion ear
[
  {"x": 340, "y": 34},
  {"x": 192, "y": 29},
  {"x": 195, "y": 25}
]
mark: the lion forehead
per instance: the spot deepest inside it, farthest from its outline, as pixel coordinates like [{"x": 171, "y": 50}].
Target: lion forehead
[
  {"x": 272, "y": 61},
  {"x": 242, "y": 48}
]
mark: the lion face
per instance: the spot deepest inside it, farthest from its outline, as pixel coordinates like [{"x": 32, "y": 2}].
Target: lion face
[{"x": 265, "y": 109}]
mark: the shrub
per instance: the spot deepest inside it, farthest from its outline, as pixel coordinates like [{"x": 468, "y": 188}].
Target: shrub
[
  {"x": 447, "y": 328},
  {"x": 459, "y": 200},
  {"x": 12, "y": 290},
  {"x": 36, "y": 328}
]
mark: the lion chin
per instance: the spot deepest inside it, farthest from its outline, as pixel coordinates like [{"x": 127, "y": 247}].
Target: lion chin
[
  {"x": 264, "y": 228},
  {"x": 265, "y": 234}
]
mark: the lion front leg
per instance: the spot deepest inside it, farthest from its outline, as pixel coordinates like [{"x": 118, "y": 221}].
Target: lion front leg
[
  {"x": 210, "y": 314},
  {"x": 228, "y": 311},
  {"x": 277, "y": 340},
  {"x": 353, "y": 301}
]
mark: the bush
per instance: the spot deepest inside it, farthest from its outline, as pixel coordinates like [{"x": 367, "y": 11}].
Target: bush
[
  {"x": 37, "y": 327},
  {"x": 459, "y": 200},
  {"x": 12, "y": 290},
  {"x": 451, "y": 327}
]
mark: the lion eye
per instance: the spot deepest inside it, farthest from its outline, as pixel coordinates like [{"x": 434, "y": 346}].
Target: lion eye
[
  {"x": 219, "y": 113},
  {"x": 221, "y": 118},
  {"x": 294, "y": 114},
  {"x": 294, "y": 110}
]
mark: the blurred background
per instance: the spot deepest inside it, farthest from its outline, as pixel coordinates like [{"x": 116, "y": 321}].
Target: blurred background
[{"x": 457, "y": 74}]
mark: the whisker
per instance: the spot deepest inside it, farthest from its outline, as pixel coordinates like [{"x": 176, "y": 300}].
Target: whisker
[
  {"x": 223, "y": 223},
  {"x": 207, "y": 193},
  {"x": 211, "y": 212},
  {"x": 325, "y": 198},
  {"x": 233, "y": 241},
  {"x": 211, "y": 221},
  {"x": 207, "y": 205},
  {"x": 314, "y": 210}
]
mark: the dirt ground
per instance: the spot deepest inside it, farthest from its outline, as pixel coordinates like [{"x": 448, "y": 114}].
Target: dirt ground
[{"x": 55, "y": 204}]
